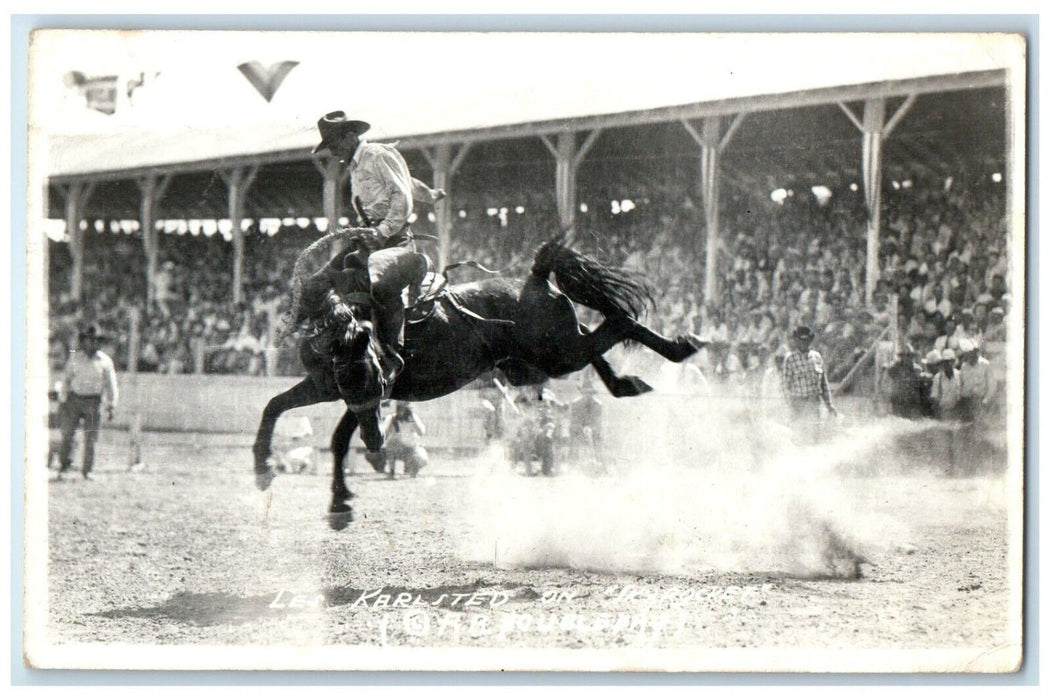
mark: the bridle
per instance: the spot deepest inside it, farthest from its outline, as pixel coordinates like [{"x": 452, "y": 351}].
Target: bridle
[{"x": 367, "y": 358}]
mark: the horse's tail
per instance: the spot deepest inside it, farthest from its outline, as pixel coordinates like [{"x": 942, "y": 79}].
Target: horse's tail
[{"x": 611, "y": 290}]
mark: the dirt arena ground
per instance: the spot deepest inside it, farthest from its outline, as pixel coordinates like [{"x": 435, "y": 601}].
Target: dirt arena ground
[{"x": 782, "y": 555}]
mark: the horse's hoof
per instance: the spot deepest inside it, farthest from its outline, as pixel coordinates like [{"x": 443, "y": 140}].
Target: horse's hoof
[
  {"x": 340, "y": 516},
  {"x": 696, "y": 341},
  {"x": 686, "y": 346},
  {"x": 629, "y": 386},
  {"x": 264, "y": 479}
]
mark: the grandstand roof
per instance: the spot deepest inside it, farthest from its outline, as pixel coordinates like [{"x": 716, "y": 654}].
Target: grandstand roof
[{"x": 199, "y": 112}]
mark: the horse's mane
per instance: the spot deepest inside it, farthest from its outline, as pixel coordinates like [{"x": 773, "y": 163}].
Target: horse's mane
[{"x": 292, "y": 317}]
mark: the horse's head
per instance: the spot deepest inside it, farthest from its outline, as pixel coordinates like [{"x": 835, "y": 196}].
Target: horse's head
[{"x": 359, "y": 376}]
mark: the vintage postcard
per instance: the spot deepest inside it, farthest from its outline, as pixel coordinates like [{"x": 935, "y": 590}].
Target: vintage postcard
[{"x": 525, "y": 351}]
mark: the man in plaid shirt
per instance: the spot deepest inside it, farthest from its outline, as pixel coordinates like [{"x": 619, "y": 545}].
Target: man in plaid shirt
[{"x": 802, "y": 377}]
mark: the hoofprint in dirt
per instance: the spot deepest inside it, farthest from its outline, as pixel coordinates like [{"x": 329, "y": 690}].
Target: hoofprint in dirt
[{"x": 469, "y": 554}]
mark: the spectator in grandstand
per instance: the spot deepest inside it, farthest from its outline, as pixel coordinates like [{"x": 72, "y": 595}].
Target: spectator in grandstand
[
  {"x": 995, "y": 266},
  {"x": 906, "y": 385},
  {"x": 90, "y": 384},
  {"x": 931, "y": 365},
  {"x": 803, "y": 379},
  {"x": 948, "y": 339},
  {"x": 967, "y": 328},
  {"x": 946, "y": 389}
]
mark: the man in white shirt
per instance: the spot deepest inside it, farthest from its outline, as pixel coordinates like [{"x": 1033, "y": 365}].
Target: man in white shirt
[
  {"x": 91, "y": 380},
  {"x": 947, "y": 387},
  {"x": 978, "y": 384}
]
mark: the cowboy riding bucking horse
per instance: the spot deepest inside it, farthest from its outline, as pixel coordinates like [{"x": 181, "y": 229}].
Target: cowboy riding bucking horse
[{"x": 385, "y": 262}]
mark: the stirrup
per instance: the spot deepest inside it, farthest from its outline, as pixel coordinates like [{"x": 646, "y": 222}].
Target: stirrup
[{"x": 393, "y": 363}]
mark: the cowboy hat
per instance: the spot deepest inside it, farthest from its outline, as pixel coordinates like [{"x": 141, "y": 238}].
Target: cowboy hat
[
  {"x": 933, "y": 357},
  {"x": 803, "y": 333},
  {"x": 334, "y": 125},
  {"x": 92, "y": 331},
  {"x": 948, "y": 355}
]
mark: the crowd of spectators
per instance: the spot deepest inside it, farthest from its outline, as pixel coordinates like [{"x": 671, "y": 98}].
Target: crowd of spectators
[{"x": 799, "y": 260}]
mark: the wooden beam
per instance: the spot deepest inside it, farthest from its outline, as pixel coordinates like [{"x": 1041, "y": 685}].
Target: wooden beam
[
  {"x": 692, "y": 131},
  {"x": 852, "y": 117},
  {"x": 458, "y": 159},
  {"x": 550, "y": 145},
  {"x": 584, "y": 147},
  {"x": 898, "y": 115},
  {"x": 756, "y": 103},
  {"x": 733, "y": 126}
]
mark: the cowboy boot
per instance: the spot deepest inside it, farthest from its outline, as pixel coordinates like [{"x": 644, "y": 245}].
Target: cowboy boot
[{"x": 391, "y": 325}]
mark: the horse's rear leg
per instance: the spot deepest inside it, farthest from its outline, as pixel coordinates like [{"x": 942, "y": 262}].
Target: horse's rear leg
[
  {"x": 340, "y": 514},
  {"x": 305, "y": 393},
  {"x": 676, "y": 350}
]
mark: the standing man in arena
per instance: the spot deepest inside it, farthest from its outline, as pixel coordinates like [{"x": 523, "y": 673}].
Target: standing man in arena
[
  {"x": 383, "y": 192},
  {"x": 978, "y": 385},
  {"x": 91, "y": 381},
  {"x": 803, "y": 379}
]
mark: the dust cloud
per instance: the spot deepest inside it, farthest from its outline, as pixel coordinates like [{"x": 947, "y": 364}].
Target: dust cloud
[{"x": 702, "y": 484}]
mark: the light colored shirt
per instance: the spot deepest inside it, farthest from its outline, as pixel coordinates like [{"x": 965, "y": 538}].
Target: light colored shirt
[
  {"x": 379, "y": 177},
  {"x": 946, "y": 392},
  {"x": 92, "y": 376},
  {"x": 977, "y": 380},
  {"x": 802, "y": 376}
]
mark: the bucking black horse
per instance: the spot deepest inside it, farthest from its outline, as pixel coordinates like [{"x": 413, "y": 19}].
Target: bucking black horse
[{"x": 526, "y": 328}]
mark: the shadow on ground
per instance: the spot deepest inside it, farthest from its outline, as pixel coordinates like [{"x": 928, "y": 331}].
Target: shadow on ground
[{"x": 209, "y": 609}]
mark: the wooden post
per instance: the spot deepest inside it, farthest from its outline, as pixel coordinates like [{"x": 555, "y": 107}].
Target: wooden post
[
  {"x": 874, "y": 120},
  {"x": 712, "y": 142},
  {"x": 238, "y": 181},
  {"x": 77, "y": 195},
  {"x": 567, "y": 159},
  {"x": 874, "y": 128},
  {"x": 335, "y": 177},
  {"x": 152, "y": 189},
  {"x": 444, "y": 164},
  {"x": 134, "y": 341}
]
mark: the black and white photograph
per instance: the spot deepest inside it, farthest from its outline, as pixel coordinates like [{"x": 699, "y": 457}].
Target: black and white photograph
[{"x": 537, "y": 351}]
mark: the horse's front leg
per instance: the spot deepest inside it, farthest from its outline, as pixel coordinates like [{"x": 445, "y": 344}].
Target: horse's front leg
[
  {"x": 305, "y": 393},
  {"x": 619, "y": 386},
  {"x": 340, "y": 514}
]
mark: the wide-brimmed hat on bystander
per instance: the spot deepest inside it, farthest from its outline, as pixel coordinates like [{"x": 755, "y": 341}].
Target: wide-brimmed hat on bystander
[
  {"x": 334, "y": 125},
  {"x": 802, "y": 333},
  {"x": 933, "y": 357},
  {"x": 948, "y": 355},
  {"x": 92, "y": 331}
]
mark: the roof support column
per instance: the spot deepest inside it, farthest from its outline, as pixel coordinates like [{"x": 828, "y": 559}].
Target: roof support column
[
  {"x": 874, "y": 129},
  {"x": 238, "y": 181},
  {"x": 152, "y": 189},
  {"x": 712, "y": 142},
  {"x": 444, "y": 165},
  {"x": 567, "y": 160},
  {"x": 77, "y": 195},
  {"x": 335, "y": 177}
]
